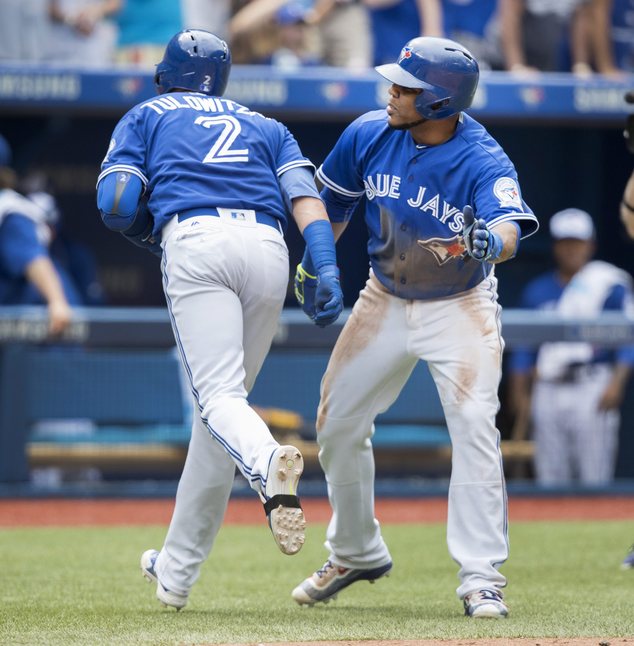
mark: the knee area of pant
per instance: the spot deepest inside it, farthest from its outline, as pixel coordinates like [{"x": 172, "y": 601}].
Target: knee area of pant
[{"x": 341, "y": 432}]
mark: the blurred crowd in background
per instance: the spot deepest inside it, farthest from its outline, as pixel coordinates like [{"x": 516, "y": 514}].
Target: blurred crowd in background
[{"x": 521, "y": 36}]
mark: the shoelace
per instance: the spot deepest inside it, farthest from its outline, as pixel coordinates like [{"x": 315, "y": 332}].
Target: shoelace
[
  {"x": 328, "y": 565},
  {"x": 485, "y": 595},
  {"x": 323, "y": 571}
]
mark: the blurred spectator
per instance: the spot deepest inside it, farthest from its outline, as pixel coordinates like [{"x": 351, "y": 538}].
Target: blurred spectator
[
  {"x": 211, "y": 15},
  {"x": 145, "y": 27},
  {"x": 621, "y": 41},
  {"x": 568, "y": 35},
  {"x": 473, "y": 24},
  {"x": 344, "y": 33},
  {"x": 27, "y": 275},
  {"x": 260, "y": 28},
  {"x": 83, "y": 32},
  {"x": 572, "y": 391},
  {"x": 293, "y": 48},
  {"x": 24, "y": 27},
  {"x": 394, "y": 22}
]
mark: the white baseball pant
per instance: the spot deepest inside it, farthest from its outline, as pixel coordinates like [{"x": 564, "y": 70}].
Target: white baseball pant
[
  {"x": 573, "y": 438},
  {"x": 225, "y": 284},
  {"x": 374, "y": 356}
]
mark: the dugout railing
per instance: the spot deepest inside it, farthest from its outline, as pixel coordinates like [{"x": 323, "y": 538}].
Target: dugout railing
[{"x": 109, "y": 395}]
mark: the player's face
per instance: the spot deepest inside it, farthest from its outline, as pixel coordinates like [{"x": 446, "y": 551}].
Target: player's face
[
  {"x": 401, "y": 108},
  {"x": 571, "y": 254}
]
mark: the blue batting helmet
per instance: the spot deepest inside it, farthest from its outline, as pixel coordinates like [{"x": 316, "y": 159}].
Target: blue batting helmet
[
  {"x": 445, "y": 71},
  {"x": 195, "y": 60}
]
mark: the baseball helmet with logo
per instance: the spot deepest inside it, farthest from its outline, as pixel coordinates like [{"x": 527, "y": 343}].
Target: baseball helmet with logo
[
  {"x": 194, "y": 60},
  {"x": 446, "y": 72}
]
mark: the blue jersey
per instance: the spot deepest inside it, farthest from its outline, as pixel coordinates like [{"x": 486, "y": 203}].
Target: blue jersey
[
  {"x": 543, "y": 293},
  {"x": 414, "y": 200},
  {"x": 23, "y": 240},
  {"x": 192, "y": 151}
]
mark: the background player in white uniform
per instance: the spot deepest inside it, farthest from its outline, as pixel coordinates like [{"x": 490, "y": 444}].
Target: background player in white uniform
[
  {"x": 219, "y": 181},
  {"x": 574, "y": 390},
  {"x": 27, "y": 273},
  {"x": 425, "y": 168}
]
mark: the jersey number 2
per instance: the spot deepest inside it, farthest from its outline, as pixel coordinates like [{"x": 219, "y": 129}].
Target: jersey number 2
[{"x": 222, "y": 152}]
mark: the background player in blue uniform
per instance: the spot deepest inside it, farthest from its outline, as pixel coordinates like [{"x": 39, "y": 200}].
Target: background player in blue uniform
[
  {"x": 573, "y": 391},
  {"x": 220, "y": 182},
  {"x": 425, "y": 169},
  {"x": 27, "y": 274}
]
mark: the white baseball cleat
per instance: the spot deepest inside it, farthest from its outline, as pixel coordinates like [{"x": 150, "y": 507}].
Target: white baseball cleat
[
  {"x": 281, "y": 503},
  {"x": 326, "y": 583},
  {"x": 485, "y": 603},
  {"x": 165, "y": 596}
]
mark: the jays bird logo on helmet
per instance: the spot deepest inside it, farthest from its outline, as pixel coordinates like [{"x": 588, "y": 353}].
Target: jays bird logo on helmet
[{"x": 406, "y": 52}]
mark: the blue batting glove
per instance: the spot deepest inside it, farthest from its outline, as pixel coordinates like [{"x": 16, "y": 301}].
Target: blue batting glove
[
  {"x": 305, "y": 287},
  {"x": 328, "y": 297},
  {"x": 482, "y": 244}
]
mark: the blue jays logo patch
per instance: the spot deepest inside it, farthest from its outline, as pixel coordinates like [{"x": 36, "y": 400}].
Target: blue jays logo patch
[
  {"x": 406, "y": 52},
  {"x": 444, "y": 249},
  {"x": 507, "y": 192}
]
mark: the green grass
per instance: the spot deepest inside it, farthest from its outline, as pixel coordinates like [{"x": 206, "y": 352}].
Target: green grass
[{"x": 83, "y": 586}]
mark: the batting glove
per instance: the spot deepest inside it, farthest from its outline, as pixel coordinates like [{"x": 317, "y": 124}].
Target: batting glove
[
  {"x": 328, "y": 296},
  {"x": 305, "y": 287},
  {"x": 482, "y": 244}
]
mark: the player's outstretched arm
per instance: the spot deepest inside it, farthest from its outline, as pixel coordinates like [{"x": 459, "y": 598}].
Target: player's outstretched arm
[
  {"x": 486, "y": 244},
  {"x": 317, "y": 287}
]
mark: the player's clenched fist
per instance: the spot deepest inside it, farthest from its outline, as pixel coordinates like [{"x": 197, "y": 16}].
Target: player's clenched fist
[
  {"x": 482, "y": 243},
  {"x": 328, "y": 296},
  {"x": 320, "y": 296}
]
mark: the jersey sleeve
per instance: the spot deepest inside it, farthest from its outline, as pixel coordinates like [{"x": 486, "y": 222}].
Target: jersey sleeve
[
  {"x": 341, "y": 176},
  {"x": 127, "y": 148},
  {"x": 498, "y": 199},
  {"x": 19, "y": 244},
  {"x": 289, "y": 154}
]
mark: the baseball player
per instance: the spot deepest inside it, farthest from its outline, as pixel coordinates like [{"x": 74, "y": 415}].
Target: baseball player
[
  {"x": 219, "y": 181},
  {"x": 574, "y": 390},
  {"x": 442, "y": 207},
  {"x": 27, "y": 273}
]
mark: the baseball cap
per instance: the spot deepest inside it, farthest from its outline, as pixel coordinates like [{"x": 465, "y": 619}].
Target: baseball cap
[
  {"x": 5, "y": 152},
  {"x": 572, "y": 223},
  {"x": 290, "y": 13}
]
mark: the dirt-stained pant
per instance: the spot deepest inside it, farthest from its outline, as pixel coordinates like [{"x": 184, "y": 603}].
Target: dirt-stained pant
[{"x": 460, "y": 339}]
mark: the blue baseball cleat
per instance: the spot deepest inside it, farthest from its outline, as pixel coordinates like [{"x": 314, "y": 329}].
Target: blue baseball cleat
[
  {"x": 628, "y": 561},
  {"x": 324, "y": 584}
]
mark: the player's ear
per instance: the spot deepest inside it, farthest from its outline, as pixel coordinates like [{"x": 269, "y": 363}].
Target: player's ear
[{"x": 157, "y": 80}]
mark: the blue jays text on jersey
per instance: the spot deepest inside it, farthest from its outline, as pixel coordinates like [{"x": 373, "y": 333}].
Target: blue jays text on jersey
[
  {"x": 414, "y": 200},
  {"x": 221, "y": 134}
]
